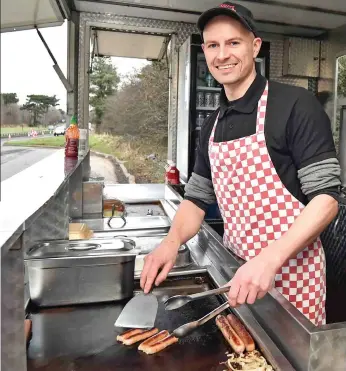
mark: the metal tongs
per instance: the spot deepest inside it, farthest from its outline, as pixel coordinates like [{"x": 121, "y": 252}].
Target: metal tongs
[
  {"x": 119, "y": 207},
  {"x": 178, "y": 301}
]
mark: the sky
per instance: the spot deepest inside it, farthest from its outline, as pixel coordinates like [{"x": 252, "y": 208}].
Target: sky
[{"x": 26, "y": 67}]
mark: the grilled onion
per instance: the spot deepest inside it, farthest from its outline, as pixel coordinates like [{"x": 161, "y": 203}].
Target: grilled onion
[{"x": 252, "y": 361}]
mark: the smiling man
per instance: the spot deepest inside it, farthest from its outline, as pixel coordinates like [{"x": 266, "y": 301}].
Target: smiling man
[{"x": 267, "y": 157}]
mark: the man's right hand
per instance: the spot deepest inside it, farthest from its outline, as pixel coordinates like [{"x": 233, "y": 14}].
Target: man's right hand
[
  {"x": 162, "y": 258},
  {"x": 186, "y": 223}
]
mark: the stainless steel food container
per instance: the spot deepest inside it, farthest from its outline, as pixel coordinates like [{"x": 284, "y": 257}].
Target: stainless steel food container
[
  {"x": 76, "y": 272},
  {"x": 146, "y": 243},
  {"x": 149, "y": 243}
]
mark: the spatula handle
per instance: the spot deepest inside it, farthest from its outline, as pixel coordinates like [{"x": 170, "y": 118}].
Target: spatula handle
[{"x": 200, "y": 295}]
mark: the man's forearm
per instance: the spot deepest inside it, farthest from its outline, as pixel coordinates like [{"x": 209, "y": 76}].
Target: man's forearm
[
  {"x": 313, "y": 220},
  {"x": 186, "y": 223}
]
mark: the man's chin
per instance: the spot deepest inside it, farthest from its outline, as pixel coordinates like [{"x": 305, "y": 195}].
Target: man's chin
[{"x": 229, "y": 81}]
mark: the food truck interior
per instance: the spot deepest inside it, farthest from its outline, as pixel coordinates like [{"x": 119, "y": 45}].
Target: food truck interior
[{"x": 73, "y": 289}]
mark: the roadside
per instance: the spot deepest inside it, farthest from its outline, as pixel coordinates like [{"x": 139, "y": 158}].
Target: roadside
[
  {"x": 15, "y": 159},
  {"x": 9, "y": 142},
  {"x": 22, "y": 131},
  {"x": 99, "y": 162},
  {"x": 133, "y": 155},
  {"x": 104, "y": 168}
]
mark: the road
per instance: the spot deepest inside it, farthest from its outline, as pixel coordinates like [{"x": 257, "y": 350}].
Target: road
[{"x": 15, "y": 159}]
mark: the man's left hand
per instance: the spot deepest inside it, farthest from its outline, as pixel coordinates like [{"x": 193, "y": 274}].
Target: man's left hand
[{"x": 255, "y": 278}]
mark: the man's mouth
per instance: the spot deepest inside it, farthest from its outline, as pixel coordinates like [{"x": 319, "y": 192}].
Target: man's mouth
[{"x": 226, "y": 66}]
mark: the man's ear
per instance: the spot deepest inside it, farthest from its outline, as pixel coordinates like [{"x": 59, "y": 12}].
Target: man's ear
[
  {"x": 257, "y": 43},
  {"x": 203, "y": 46}
]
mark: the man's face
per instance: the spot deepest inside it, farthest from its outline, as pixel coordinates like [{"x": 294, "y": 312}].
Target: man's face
[{"x": 229, "y": 50}]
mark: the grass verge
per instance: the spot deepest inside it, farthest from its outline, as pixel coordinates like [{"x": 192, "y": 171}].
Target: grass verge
[
  {"x": 20, "y": 129},
  {"x": 132, "y": 151},
  {"x": 39, "y": 142}
]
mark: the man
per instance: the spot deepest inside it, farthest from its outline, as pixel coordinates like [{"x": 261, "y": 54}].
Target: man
[{"x": 267, "y": 157}]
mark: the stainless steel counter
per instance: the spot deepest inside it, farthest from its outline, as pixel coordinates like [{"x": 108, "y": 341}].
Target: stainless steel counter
[
  {"x": 307, "y": 347},
  {"x": 147, "y": 192},
  {"x": 275, "y": 324},
  {"x": 273, "y": 318},
  {"x": 24, "y": 196},
  {"x": 207, "y": 254},
  {"x": 35, "y": 204},
  {"x": 132, "y": 223}
]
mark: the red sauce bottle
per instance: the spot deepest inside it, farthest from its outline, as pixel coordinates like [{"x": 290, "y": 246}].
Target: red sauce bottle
[
  {"x": 172, "y": 174},
  {"x": 72, "y": 139}
]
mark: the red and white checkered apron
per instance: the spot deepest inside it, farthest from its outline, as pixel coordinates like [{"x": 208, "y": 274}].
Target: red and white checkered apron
[{"x": 257, "y": 209}]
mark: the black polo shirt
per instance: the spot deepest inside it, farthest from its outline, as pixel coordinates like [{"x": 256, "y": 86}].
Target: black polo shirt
[{"x": 297, "y": 130}]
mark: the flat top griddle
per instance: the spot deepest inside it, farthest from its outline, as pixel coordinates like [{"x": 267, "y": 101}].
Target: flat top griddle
[{"x": 83, "y": 338}]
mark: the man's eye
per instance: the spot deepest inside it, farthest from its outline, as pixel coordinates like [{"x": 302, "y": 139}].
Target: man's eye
[
  {"x": 212, "y": 45},
  {"x": 234, "y": 43}
]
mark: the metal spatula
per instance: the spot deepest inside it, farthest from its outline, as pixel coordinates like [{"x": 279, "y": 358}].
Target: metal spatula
[{"x": 139, "y": 312}]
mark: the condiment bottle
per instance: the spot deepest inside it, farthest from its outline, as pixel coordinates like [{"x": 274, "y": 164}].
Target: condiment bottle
[
  {"x": 172, "y": 173},
  {"x": 72, "y": 139}
]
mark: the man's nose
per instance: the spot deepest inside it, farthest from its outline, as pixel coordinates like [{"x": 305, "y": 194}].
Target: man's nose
[{"x": 223, "y": 53}]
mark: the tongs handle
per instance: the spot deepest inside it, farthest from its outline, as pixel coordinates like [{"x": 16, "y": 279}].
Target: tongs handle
[
  {"x": 221, "y": 290},
  {"x": 186, "y": 329},
  {"x": 213, "y": 313}
]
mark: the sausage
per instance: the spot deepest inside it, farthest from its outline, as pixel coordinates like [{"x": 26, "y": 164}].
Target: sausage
[
  {"x": 127, "y": 334},
  {"x": 152, "y": 340},
  {"x": 239, "y": 328},
  {"x": 160, "y": 345},
  {"x": 230, "y": 335},
  {"x": 139, "y": 337}
]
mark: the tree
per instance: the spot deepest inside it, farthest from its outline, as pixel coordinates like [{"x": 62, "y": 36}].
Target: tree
[
  {"x": 9, "y": 98},
  {"x": 37, "y": 105},
  {"x": 342, "y": 76},
  {"x": 140, "y": 108},
  {"x": 104, "y": 81},
  {"x": 10, "y": 113},
  {"x": 52, "y": 116}
]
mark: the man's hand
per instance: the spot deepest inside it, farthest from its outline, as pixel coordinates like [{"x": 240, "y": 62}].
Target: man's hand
[
  {"x": 163, "y": 257},
  {"x": 186, "y": 223},
  {"x": 255, "y": 278}
]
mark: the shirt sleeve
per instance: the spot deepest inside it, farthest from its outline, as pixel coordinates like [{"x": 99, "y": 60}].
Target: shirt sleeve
[
  {"x": 311, "y": 145},
  {"x": 200, "y": 191},
  {"x": 309, "y": 133},
  {"x": 322, "y": 177}
]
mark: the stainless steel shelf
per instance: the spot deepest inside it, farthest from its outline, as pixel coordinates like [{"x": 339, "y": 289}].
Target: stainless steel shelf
[
  {"x": 206, "y": 108},
  {"x": 206, "y": 88}
]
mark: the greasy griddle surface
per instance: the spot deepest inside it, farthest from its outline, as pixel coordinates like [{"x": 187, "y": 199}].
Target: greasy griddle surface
[{"x": 84, "y": 338}]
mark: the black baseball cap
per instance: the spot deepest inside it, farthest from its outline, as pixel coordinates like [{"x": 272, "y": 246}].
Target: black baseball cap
[{"x": 236, "y": 11}]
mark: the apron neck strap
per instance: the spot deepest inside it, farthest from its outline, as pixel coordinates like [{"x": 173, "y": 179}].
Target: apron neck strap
[
  {"x": 261, "y": 110},
  {"x": 261, "y": 113}
]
